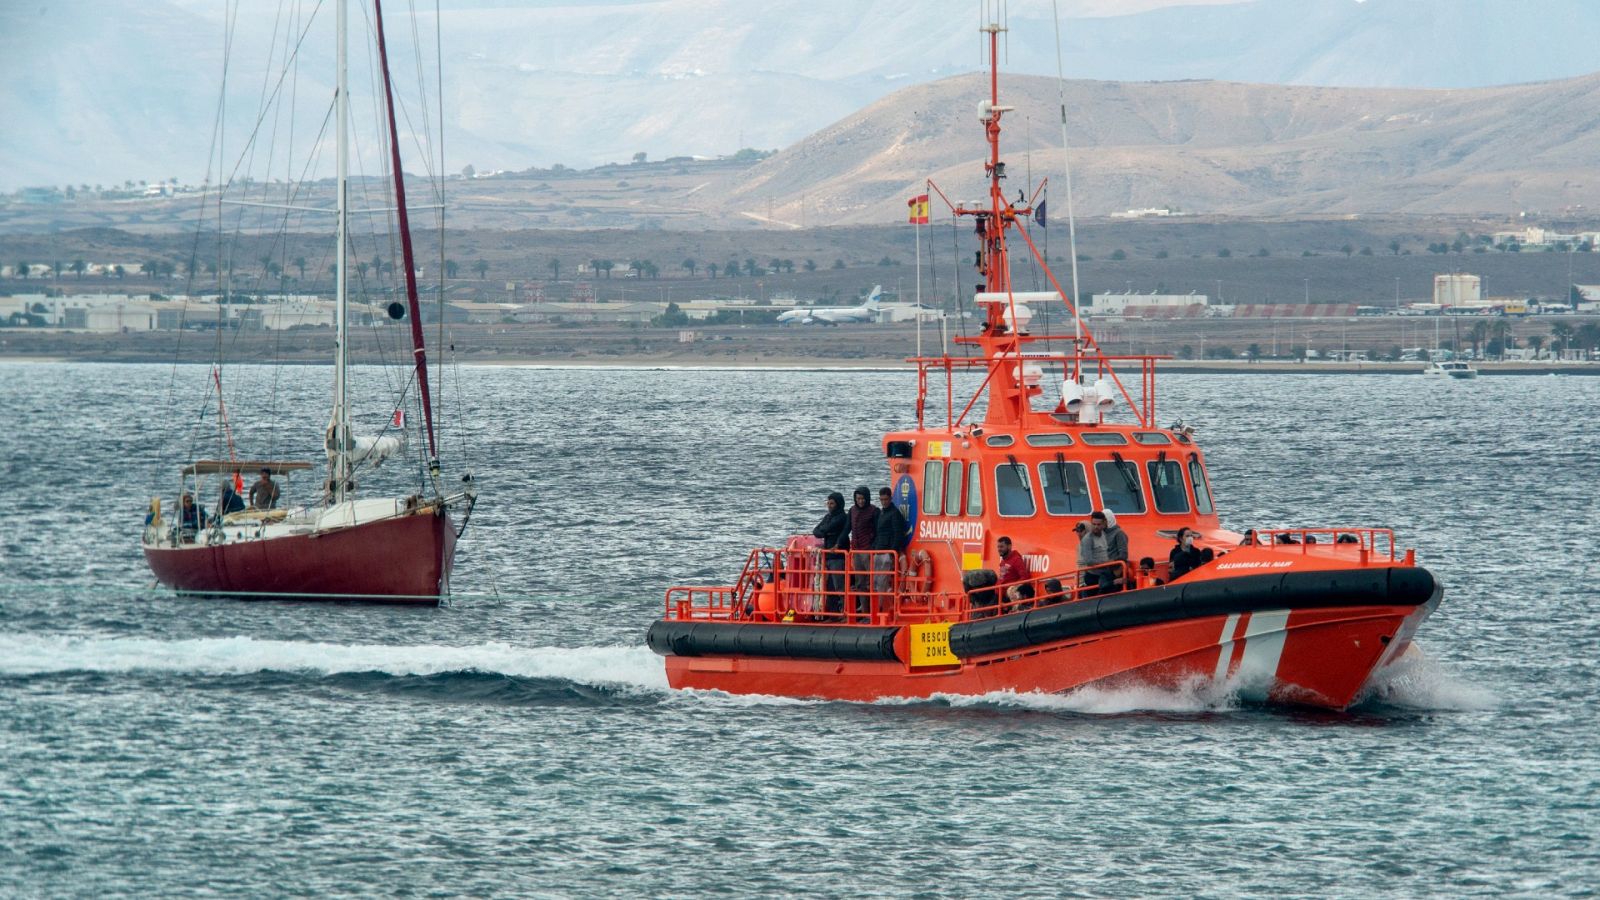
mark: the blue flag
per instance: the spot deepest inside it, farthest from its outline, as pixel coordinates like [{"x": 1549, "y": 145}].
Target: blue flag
[{"x": 1038, "y": 214}]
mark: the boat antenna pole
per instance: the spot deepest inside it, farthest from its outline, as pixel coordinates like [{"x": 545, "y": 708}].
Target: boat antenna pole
[
  {"x": 1066, "y": 163},
  {"x": 419, "y": 349},
  {"x": 340, "y": 439}
]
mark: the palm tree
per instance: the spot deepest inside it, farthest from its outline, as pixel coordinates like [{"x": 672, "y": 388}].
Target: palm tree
[
  {"x": 1588, "y": 336},
  {"x": 266, "y": 264},
  {"x": 361, "y": 270},
  {"x": 482, "y": 268},
  {"x": 555, "y": 269},
  {"x": 1562, "y": 332},
  {"x": 1501, "y": 332},
  {"x": 1478, "y": 334},
  {"x": 78, "y": 267},
  {"x": 691, "y": 265},
  {"x": 22, "y": 270},
  {"x": 300, "y": 265},
  {"x": 811, "y": 265},
  {"x": 1536, "y": 342},
  {"x": 451, "y": 267},
  {"x": 636, "y": 266},
  {"x": 713, "y": 268},
  {"x": 606, "y": 265}
]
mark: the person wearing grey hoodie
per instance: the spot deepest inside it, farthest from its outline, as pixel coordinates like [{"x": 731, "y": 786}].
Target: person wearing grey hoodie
[{"x": 1103, "y": 542}]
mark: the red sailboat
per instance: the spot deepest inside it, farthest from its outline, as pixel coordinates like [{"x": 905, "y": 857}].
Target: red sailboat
[
  {"x": 1301, "y": 616},
  {"x": 394, "y": 549}
]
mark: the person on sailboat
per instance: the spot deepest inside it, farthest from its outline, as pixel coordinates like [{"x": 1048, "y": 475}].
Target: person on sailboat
[
  {"x": 264, "y": 493},
  {"x": 191, "y": 516},
  {"x": 230, "y": 502}
]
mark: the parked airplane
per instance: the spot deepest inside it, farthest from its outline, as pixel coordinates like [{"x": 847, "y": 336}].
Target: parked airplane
[{"x": 834, "y": 315}]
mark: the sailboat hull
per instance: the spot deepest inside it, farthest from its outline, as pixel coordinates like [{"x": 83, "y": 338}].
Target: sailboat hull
[{"x": 403, "y": 559}]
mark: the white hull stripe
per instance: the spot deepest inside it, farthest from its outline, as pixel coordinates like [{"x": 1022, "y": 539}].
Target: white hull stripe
[
  {"x": 1263, "y": 648},
  {"x": 1225, "y": 651}
]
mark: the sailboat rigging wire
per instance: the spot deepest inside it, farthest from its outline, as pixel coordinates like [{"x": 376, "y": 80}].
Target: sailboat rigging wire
[{"x": 1066, "y": 164}]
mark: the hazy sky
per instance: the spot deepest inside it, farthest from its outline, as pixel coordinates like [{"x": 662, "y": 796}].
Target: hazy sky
[{"x": 100, "y": 91}]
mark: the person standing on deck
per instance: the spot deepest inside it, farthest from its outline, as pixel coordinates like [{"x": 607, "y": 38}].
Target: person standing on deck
[
  {"x": 863, "y": 535},
  {"x": 891, "y": 535},
  {"x": 264, "y": 493},
  {"x": 834, "y": 531}
]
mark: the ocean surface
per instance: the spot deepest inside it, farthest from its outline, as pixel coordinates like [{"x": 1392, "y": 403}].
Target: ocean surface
[{"x": 522, "y": 741}]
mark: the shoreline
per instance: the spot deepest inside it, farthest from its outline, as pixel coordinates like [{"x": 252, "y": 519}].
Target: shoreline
[{"x": 714, "y": 362}]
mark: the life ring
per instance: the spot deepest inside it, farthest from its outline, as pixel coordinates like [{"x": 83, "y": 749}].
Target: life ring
[{"x": 918, "y": 577}]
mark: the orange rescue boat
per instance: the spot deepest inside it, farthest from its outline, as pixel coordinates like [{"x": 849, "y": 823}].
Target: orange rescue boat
[{"x": 1302, "y": 616}]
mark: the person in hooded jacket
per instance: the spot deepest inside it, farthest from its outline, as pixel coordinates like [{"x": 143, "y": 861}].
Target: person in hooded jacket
[
  {"x": 863, "y": 534},
  {"x": 834, "y": 530},
  {"x": 1104, "y": 542}
]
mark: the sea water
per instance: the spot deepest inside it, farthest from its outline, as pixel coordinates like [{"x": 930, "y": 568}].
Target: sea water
[{"x": 521, "y": 740}]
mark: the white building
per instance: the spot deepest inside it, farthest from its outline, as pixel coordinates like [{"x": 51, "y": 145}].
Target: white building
[
  {"x": 1117, "y": 304},
  {"x": 1457, "y": 290}
]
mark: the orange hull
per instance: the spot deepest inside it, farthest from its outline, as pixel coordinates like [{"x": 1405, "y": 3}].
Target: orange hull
[{"x": 1322, "y": 658}]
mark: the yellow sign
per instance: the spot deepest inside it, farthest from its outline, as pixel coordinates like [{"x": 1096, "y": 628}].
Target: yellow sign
[{"x": 930, "y": 645}]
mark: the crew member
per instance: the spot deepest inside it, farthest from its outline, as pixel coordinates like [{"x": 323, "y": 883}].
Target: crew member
[
  {"x": 834, "y": 530},
  {"x": 230, "y": 502},
  {"x": 863, "y": 535},
  {"x": 888, "y": 543},
  {"x": 264, "y": 493}
]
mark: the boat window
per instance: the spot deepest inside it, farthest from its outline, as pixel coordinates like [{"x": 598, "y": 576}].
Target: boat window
[
  {"x": 1013, "y": 494},
  {"x": 1183, "y": 438},
  {"x": 1065, "y": 488},
  {"x": 1119, "y": 486},
  {"x": 1151, "y": 437},
  {"x": 1104, "y": 438},
  {"x": 1166, "y": 486},
  {"x": 1049, "y": 440},
  {"x": 1202, "y": 491},
  {"x": 952, "y": 488},
  {"x": 975, "y": 491},
  {"x": 999, "y": 440},
  {"x": 932, "y": 488}
]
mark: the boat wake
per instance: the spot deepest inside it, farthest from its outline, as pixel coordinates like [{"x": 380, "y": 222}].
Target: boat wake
[
  {"x": 1418, "y": 682},
  {"x": 628, "y": 669},
  {"x": 499, "y": 672}
]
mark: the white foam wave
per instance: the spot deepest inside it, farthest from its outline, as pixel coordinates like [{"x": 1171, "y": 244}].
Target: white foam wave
[
  {"x": 632, "y": 667},
  {"x": 1417, "y": 681},
  {"x": 1198, "y": 695}
]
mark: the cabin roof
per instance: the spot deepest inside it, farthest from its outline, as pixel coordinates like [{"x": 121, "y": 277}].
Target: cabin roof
[{"x": 222, "y": 466}]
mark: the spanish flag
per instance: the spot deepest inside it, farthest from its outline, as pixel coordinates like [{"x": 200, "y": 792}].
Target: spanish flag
[{"x": 917, "y": 210}]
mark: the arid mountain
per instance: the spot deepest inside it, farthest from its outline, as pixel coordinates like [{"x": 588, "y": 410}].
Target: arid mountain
[
  {"x": 1203, "y": 147},
  {"x": 97, "y": 92}
]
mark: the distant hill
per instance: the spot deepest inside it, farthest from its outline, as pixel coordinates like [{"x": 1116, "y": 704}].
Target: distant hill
[
  {"x": 96, "y": 92},
  {"x": 1203, "y": 147}
]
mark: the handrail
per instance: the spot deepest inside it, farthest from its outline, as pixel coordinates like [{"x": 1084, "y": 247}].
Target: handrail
[
  {"x": 816, "y": 586},
  {"x": 1367, "y": 540}
]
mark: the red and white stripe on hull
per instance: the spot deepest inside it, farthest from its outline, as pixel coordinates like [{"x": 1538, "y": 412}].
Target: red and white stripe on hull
[
  {"x": 401, "y": 559},
  {"x": 1321, "y": 658}
]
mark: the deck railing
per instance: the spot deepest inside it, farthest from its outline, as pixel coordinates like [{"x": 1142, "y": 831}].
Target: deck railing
[{"x": 836, "y": 587}]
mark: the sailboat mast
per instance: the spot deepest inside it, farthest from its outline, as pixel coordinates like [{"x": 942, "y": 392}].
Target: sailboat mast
[
  {"x": 419, "y": 350},
  {"x": 340, "y": 473}
]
